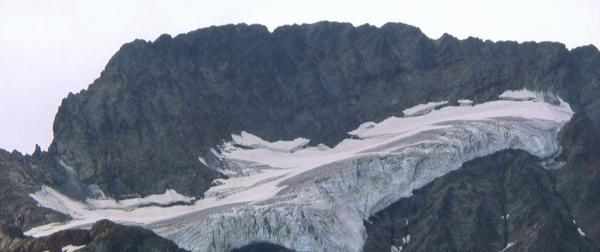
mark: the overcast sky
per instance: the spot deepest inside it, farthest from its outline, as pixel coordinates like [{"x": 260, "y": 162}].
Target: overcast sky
[{"x": 50, "y": 48}]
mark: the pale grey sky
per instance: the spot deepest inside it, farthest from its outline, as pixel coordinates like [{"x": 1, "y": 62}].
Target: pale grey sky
[{"x": 50, "y": 48}]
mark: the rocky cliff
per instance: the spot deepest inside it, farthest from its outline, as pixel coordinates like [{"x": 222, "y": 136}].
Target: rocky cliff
[
  {"x": 104, "y": 236},
  {"x": 22, "y": 175}
]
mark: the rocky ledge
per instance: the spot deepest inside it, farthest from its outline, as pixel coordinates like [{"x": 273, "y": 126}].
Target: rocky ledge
[{"x": 104, "y": 236}]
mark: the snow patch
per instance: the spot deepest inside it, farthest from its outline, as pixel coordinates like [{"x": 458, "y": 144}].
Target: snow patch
[
  {"x": 96, "y": 209},
  {"x": 492, "y": 109},
  {"x": 510, "y": 244},
  {"x": 71, "y": 248},
  {"x": 528, "y": 95},
  {"x": 67, "y": 168},
  {"x": 170, "y": 196},
  {"x": 406, "y": 239},
  {"x": 465, "y": 102},
  {"x": 519, "y": 95},
  {"x": 580, "y": 232},
  {"x": 202, "y": 160},
  {"x": 248, "y": 140},
  {"x": 362, "y": 128},
  {"x": 422, "y": 109}
]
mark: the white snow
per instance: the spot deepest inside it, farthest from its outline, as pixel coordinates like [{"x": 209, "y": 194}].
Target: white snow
[
  {"x": 579, "y": 230},
  {"x": 246, "y": 139},
  {"x": 406, "y": 239},
  {"x": 422, "y": 109},
  {"x": 315, "y": 198},
  {"x": 202, "y": 160},
  {"x": 67, "y": 168},
  {"x": 520, "y": 95},
  {"x": 362, "y": 128},
  {"x": 215, "y": 153},
  {"x": 170, "y": 196},
  {"x": 493, "y": 109},
  {"x": 92, "y": 210},
  {"x": 510, "y": 244},
  {"x": 71, "y": 248},
  {"x": 465, "y": 102}
]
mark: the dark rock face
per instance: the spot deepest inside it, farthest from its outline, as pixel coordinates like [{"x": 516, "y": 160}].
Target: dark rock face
[
  {"x": 262, "y": 247},
  {"x": 578, "y": 181},
  {"x": 158, "y": 106},
  {"x": 506, "y": 197},
  {"x": 104, "y": 236},
  {"x": 108, "y": 236},
  {"x": 21, "y": 175},
  {"x": 492, "y": 201},
  {"x": 12, "y": 239}
]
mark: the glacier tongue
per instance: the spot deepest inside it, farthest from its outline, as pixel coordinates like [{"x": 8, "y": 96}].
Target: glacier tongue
[
  {"x": 315, "y": 199},
  {"x": 323, "y": 208}
]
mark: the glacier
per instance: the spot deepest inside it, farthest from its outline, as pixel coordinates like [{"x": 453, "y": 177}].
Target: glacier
[{"x": 315, "y": 198}]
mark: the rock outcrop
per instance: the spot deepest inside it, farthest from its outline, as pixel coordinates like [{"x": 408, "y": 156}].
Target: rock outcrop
[
  {"x": 577, "y": 181},
  {"x": 21, "y": 175},
  {"x": 12, "y": 239},
  {"x": 506, "y": 200},
  {"x": 104, "y": 236},
  {"x": 262, "y": 247}
]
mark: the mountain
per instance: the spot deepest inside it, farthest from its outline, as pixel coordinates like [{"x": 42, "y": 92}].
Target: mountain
[{"x": 160, "y": 115}]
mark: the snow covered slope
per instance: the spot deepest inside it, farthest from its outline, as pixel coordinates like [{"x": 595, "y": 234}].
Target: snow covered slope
[
  {"x": 316, "y": 198},
  {"x": 422, "y": 109}
]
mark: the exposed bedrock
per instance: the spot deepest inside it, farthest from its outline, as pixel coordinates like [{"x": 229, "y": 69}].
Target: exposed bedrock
[{"x": 104, "y": 236}]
